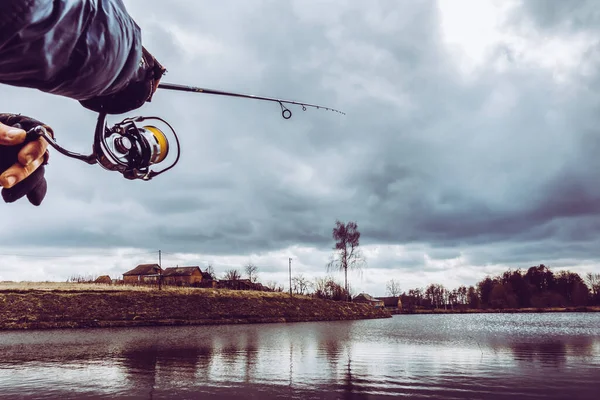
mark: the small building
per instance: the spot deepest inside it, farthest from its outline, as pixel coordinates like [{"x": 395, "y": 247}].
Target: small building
[
  {"x": 207, "y": 281},
  {"x": 104, "y": 279},
  {"x": 143, "y": 273},
  {"x": 182, "y": 276},
  {"x": 241, "y": 284},
  {"x": 367, "y": 298},
  {"x": 391, "y": 303}
]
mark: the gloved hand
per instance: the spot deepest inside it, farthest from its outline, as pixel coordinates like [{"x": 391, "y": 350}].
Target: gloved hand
[
  {"x": 22, "y": 163},
  {"x": 138, "y": 91}
]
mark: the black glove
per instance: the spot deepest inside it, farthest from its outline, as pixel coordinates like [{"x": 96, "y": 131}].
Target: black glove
[
  {"x": 35, "y": 185},
  {"x": 139, "y": 90}
]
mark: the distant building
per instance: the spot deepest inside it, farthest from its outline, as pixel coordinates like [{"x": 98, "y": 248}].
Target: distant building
[
  {"x": 392, "y": 303},
  {"x": 104, "y": 279},
  {"x": 367, "y": 298},
  {"x": 143, "y": 273},
  {"x": 183, "y": 276},
  {"x": 241, "y": 284},
  {"x": 207, "y": 280}
]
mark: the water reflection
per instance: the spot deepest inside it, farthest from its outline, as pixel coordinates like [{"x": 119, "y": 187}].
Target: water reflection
[
  {"x": 551, "y": 354},
  {"x": 443, "y": 357}
]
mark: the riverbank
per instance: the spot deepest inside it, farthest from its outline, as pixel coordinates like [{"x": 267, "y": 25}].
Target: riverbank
[
  {"x": 101, "y": 307},
  {"x": 506, "y": 310}
]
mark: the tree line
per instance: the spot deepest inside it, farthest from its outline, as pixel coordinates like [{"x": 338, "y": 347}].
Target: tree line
[
  {"x": 538, "y": 287},
  {"x": 321, "y": 287}
]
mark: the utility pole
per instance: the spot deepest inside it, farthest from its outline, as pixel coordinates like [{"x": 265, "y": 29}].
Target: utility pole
[
  {"x": 290, "y": 260},
  {"x": 160, "y": 271}
]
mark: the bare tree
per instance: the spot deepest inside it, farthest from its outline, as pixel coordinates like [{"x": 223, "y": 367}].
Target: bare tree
[
  {"x": 251, "y": 271},
  {"x": 328, "y": 288},
  {"x": 232, "y": 275},
  {"x": 300, "y": 284},
  {"x": 393, "y": 288},
  {"x": 82, "y": 279},
  {"x": 593, "y": 281},
  {"x": 347, "y": 254},
  {"x": 210, "y": 270}
]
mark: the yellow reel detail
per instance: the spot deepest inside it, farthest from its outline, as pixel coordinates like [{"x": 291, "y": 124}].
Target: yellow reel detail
[{"x": 161, "y": 140}]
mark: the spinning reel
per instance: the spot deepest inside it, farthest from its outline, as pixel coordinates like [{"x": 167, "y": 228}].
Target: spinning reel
[{"x": 126, "y": 147}]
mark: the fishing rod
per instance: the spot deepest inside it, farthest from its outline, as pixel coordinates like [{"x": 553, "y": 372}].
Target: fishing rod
[
  {"x": 132, "y": 149},
  {"x": 285, "y": 112}
]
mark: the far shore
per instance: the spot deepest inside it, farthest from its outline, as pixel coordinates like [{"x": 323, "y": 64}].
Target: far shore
[{"x": 582, "y": 309}]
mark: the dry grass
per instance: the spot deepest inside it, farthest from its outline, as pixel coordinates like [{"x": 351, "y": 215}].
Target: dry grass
[
  {"x": 68, "y": 286},
  {"x": 95, "y": 287}
]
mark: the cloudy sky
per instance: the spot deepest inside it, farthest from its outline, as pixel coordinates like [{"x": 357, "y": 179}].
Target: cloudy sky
[{"x": 469, "y": 145}]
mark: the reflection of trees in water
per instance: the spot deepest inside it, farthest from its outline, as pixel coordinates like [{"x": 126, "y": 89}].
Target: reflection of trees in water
[
  {"x": 145, "y": 366},
  {"x": 551, "y": 353},
  {"x": 331, "y": 348},
  {"x": 182, "y": 364},
  {"x": 251, "y": 355},
  {"x": 205, "y": 358},
  {"x": 331, "y": 342},
  {"x": 240, "y": 351},
  {"x": 352, "y": 387},
  {"x": 140, "y": 366},
  {"x": 229, "y": 354},
  {"x": 335, "y": 344}
]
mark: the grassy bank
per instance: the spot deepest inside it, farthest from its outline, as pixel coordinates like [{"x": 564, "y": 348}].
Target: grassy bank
[
  {"x": 506, "y": 310},
  {"x": 46, "y": 306}
]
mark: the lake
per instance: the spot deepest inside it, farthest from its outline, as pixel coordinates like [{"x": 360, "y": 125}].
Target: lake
[{"x": 479, "y": 356}]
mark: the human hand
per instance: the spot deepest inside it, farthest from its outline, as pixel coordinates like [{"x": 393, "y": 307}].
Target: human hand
[{"x": 21, "y": 164}]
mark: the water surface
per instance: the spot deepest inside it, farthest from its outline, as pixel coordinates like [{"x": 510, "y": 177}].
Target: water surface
[{"x": 482, "y": 356}]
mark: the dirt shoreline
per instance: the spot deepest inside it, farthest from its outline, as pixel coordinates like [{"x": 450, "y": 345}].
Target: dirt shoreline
[{"x": 59, "y": 309}]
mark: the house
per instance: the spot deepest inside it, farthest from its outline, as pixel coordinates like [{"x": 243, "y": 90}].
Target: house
[
  {"x": 182, "y": 276},
  {"x": 366, "y": 298},
  {"x": 391, "y": 303},
  {"x": 143, "y": 273}
]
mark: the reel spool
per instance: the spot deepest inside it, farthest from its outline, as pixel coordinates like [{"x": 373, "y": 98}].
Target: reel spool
[{"x": 125, "y": 147}]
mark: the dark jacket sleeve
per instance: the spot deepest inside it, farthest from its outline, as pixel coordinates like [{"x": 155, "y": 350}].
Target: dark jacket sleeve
[{"x": 80, "y": 49}]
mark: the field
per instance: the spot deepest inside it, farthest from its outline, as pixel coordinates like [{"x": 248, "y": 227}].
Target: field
[{"x": 97, "y": 287}]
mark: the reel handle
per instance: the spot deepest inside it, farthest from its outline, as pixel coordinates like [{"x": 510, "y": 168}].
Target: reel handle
[{"x": 41, "y": 131}]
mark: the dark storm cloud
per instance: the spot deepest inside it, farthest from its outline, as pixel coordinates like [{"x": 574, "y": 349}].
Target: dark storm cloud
[
  {"x": 500, "y": 161},
  {"x": 566, "y": 15}
]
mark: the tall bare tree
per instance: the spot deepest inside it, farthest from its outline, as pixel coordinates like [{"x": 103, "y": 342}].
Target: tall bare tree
[
  {"x": 251, "y": 271},
  {"x": 347, "y": 254},
  {"x": 393, "y": 288}
]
